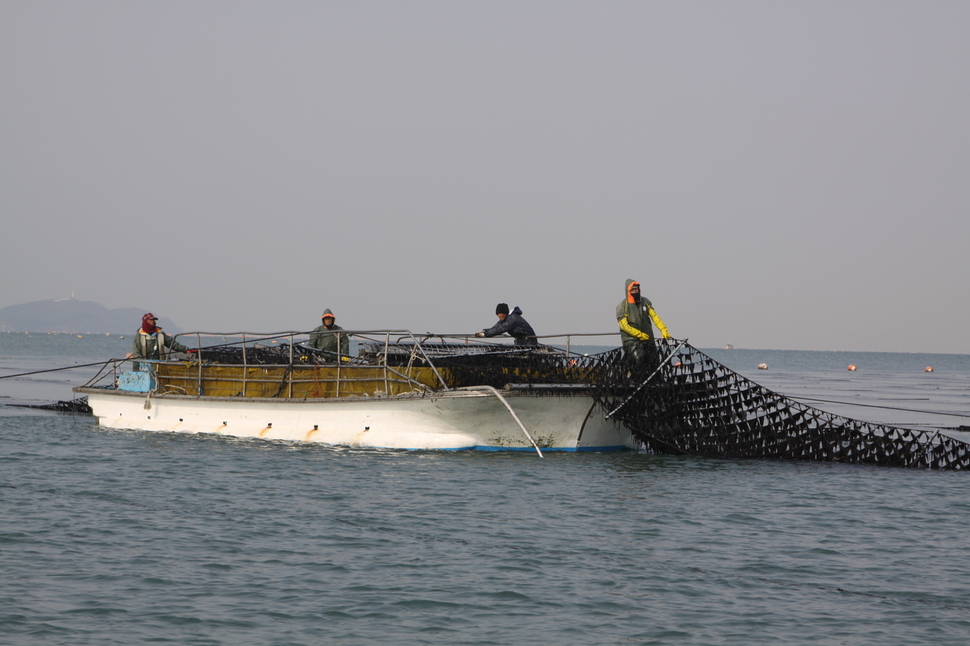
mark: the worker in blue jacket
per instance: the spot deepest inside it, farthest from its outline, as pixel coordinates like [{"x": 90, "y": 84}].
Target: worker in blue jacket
[{"x": 512, "y": 324}]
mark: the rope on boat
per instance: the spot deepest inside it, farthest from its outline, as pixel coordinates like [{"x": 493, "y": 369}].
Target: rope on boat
[
  {"x": 502, "y": 399},
  {"x": 640, "y": 387},
  {"x": 80, "y": 365},
  {"x": 904, "y": 410}
]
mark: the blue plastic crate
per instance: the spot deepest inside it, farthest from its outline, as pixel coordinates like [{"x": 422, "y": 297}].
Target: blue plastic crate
[{"x": 136, "y": 382}]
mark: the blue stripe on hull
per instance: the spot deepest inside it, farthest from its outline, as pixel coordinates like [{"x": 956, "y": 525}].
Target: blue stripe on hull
[{"x": 495, "y": 449}]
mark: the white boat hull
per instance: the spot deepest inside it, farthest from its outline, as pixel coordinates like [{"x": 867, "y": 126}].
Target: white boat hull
[{"x": 443, "y": 421}]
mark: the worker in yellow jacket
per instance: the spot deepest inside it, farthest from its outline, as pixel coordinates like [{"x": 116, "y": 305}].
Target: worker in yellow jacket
[{"x": 637, "y": 317}]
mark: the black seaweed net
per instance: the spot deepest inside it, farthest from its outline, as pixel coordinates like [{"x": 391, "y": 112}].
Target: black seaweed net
[
  {"x": 275, "y": 355},
  {"x": 697, "y": 406},
  {"x": 79, "y": 405},
  {"x": 483, "y": 364}
]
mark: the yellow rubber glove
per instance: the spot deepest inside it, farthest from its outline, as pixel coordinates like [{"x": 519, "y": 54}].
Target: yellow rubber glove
[
  {"x": 632, "y": 331},
  {"x": 659, "y": 323}
]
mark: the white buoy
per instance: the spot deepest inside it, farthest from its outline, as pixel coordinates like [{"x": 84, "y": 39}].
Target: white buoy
[{"x": 762, "y": 366}]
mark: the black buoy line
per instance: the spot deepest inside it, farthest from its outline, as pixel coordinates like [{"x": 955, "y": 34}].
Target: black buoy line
[
  {"x": 80, "y": 365},
  {"x": 905, "y": 410},
  {"x": 79, "y": 405}
]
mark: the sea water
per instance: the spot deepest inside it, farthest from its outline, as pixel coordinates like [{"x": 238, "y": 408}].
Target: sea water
[{"x": 119, "y": 537}]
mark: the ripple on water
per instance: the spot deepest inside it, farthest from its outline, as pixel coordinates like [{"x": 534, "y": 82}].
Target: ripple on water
[{"x": 119, "y": 538}]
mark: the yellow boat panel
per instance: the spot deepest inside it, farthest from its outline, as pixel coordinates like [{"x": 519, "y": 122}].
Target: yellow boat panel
[{"x": 298, "y": 382}]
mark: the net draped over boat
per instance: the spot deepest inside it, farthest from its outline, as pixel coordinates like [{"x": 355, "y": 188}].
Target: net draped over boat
[
  {"x": 695, "y": 405},
  {"x": 270, "y": 355},
  {"x": 689, "y": 404}
]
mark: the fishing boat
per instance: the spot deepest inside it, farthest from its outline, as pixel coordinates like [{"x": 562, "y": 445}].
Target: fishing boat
[
  {"x": 398, "y": 392},
  {"x": 448, "y": 392}
]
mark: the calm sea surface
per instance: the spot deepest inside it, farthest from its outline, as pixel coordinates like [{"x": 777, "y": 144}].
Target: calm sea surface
[{"x": 118, "y": 537}]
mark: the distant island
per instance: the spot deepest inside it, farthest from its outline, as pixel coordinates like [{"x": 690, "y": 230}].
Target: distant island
[{"x": 75, "y": 317}]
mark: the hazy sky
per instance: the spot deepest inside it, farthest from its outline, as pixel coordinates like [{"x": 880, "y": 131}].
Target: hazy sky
[{"x": 776, "y": 174}]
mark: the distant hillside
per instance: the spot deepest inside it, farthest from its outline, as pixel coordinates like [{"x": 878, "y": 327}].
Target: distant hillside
[{"x": 74, "y": 316}]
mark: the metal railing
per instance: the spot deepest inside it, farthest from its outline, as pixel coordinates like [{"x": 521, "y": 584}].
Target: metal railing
[{"x": 296, "y": 371}]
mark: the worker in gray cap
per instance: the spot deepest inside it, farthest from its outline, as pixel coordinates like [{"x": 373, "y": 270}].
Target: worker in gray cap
[{"x": 328, "y": 336}]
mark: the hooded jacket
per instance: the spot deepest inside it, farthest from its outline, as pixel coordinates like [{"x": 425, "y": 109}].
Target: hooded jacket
[
  {"x": 323, "y": 337},
  {"x": 635, "y": 316},
  {"x": 515, "y": 326}
]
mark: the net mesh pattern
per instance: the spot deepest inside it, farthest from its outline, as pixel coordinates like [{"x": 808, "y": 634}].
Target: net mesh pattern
[
  {"x": 485, "y": 364},
  {"x": 697, "y": 406},
  {"x": 260, "y": 355},
  {"x": 79, "y": 405}
]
